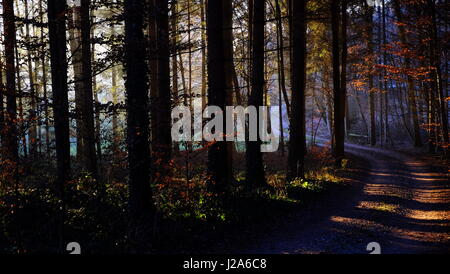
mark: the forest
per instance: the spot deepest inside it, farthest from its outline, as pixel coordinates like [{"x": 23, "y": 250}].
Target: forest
[{"x": 224, "y": 126}]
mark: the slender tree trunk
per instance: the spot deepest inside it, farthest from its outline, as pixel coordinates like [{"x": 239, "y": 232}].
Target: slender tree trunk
[
  {"x": 297, "y": 138},
  {"x": 10, "y": 141},
  {"x": 74, "y": 24},
  {"x": 229, "y": 68},
  {"x": 369, "y": 33},
  {"x": 115, "y": 99},
  {"x": 153, "y": 70},
  {"x": 2, "y": 109},
  {"x": 281, "y": 73},
  {"x": 203, "y": 46},
  {"x": 97, "y": 140},
  {"x": 44, "y": 80},
  {"x": 162, "y": 140},
  {"x": 32, "y": 117},
  {"x": 385, "y": 86},
  {"x": 174, "y": 48},
  {"x": 87, "y": 109},
  {"x": 281, "y": 56}
]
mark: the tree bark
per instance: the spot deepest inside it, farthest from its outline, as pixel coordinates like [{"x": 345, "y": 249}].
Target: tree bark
[
  {"x": 32, "y": 117},
  {"x": 254, "y": 162},
  {"x": 161, "y": 105},
  {"x": 87, "y": 109},
  {"x": 10, "y": 142},
  {"x": 369, "y": 33},
  {"x": 297, "y": 138},
  {"x": 140, "y": 195},
  {"x": 217, "y": 153},
  {"x": 74, "y": 25}
]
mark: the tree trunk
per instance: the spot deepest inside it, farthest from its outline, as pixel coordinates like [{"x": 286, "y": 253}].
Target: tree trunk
[
  {"x": 57, "y": 35},
  {"x": 339, "y": 78},
  {"x": 2, "y": 109},
  {"x": 229, "y": 68},
  {"x": 217, "y": 153},
  {"x": 385, "y": 86},
  {"x": 297, "y": 138},
  {"x": 32, "y": 118},
  {"x": 161, "y": 104},
  {"x": 74, "y": 25},
  {"x": 282, "y": 80},
  {"x": 140, "y": 195},
  {"x": 369, "y": 33},
  {"x": 44, "y": 80},
  {"x": 87, "y": 109},
  {"x": 203, "y": 46},
  {"x": 10, "y": 142},
  {"x": 254, "y": 162}
]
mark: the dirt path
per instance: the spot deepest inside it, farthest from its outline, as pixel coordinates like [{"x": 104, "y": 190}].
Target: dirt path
[{"x": 401, "y": 202}]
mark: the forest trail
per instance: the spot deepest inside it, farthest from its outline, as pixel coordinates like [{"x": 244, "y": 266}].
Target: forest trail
[{"x": 401, "y": 202}]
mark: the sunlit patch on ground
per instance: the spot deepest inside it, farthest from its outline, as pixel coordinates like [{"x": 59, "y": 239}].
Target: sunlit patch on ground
[{"x": 380, "y": 206}]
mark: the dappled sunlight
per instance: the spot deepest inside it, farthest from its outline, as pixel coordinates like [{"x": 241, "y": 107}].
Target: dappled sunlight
[{"x": 380, "y": 206}]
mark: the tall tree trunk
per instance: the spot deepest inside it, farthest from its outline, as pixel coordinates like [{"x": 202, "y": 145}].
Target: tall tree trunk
[
  {"x": 32, "y": 117},
  {"x": 254, "y": 162},
  {"x": 162, "y": 140},
  {"x": 98, "y": 141},
  {"x": 87, "y": 109},
  {"x": 385, "y": 86},
  {"x": 115, "y": 99},
  {"x": 217, "y": 153},
  {"x": 297, "y": 138},
  {"x": 203, "y": 46},
  {"x": 140, "y": 195},
  {"x": 44, "y": 79},
  {"x": 369, "y": 33},
  {"x": 21, "y": 122},
  {"x": 74, "y": 25},
  {"x": 281, "y": 73},
  {"x": 339, "y": 77},
  {"x": 57, "y": 35},
  {"x": 10, "y": 141},
  {"x": 153, "y": 69},
  {"x": 2, "y": 109},
  {"x": 229, "y": 68},
  {"x": 174, "y": 50}
]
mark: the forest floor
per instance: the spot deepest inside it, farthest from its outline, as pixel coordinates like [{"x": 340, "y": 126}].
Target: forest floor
[{"x": 400, "y": 200}]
